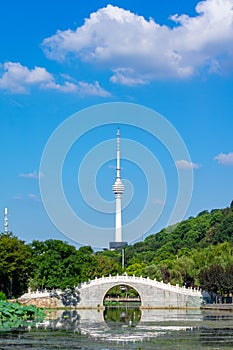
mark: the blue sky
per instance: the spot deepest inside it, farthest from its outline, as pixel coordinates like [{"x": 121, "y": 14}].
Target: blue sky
[{"x": 57, "y": 59}]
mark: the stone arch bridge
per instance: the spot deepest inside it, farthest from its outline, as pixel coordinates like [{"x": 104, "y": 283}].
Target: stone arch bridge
[
  {"x": 153, "y": 294},
  {"x": 91, "y": 294}
]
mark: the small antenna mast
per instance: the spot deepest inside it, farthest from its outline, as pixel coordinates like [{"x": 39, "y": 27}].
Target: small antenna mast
[{"x": 6, "y": 221}]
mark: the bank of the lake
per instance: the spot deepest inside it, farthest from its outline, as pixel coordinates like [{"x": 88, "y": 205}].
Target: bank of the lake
[{"x": 227, "y": 307}]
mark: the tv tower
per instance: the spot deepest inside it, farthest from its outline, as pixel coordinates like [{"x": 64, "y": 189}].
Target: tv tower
[
  {"x": 6, "y": 221},
  {"x": 118, "y": 189}
]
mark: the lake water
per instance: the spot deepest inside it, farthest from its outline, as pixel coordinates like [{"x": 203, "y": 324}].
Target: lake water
[{"x": 125, "y": 328}]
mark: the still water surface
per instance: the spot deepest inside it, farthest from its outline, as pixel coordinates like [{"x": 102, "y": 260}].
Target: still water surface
[{"x": 125, "y": 328}]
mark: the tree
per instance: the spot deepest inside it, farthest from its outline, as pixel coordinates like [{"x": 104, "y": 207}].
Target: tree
[
  {"x": 153, "y": 271},
  {"x": 175, "y": 277},
  {"x": 105, "y": 266},
  {"x": 14, "y": 265},
  {"x": 231, "y": 205},
  {"x": 212, "y": 279},
  {"x": 225, "y": 230},
  {"x": 136, "y": 269},
  {"x": 55, "y": 264},
  {"x": 228, "y": 281},
  {"x": 184, "y": 266}
]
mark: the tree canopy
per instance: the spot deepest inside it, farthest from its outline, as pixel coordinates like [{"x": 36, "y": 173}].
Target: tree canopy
[{"x": 195, "y": 252}]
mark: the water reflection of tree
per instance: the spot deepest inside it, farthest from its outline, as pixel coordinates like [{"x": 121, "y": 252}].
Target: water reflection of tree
[{"x": 123, "y": 315}]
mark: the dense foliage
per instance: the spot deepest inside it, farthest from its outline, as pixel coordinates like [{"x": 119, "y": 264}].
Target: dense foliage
[
  {"x": 195, "y": 252},
  {"x": 13, "y": 314},
  {"x": 14, "y": 264}
]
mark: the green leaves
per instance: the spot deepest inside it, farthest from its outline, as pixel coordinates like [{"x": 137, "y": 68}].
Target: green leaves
[
  {"x": 14, "y": 269},
  {"x": 55, "y": 264},
  {"x": 12, "y": 314},
  {"x": 217, "y": 279}
]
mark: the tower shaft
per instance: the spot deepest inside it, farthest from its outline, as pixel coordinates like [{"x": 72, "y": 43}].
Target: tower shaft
[{"x": 118, "y": 222}]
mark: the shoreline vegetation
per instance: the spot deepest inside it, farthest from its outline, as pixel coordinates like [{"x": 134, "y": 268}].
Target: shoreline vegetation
[
  {"x": 14, "y": 315},
  {"x": 195, "y": 253}
]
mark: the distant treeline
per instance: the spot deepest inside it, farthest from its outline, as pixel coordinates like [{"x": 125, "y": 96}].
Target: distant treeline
[{"x": 195, "y": 252}]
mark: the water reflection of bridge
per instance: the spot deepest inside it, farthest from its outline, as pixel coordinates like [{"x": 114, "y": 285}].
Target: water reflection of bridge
[
  {"x": 79, "y": 319},
  {"x": 95, "y": 324}
]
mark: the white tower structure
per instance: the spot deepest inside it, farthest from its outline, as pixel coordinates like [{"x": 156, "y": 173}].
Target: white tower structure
[
  {"x": 6, "y": 220},
  {"x": 118, "y": 189}
]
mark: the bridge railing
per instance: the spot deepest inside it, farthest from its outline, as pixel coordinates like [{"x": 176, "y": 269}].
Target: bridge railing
[
  {"x": 143, "y": 280},
  {"x": 40, "y": 293}
]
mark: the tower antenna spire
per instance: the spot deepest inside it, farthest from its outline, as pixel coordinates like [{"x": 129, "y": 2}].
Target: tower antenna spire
[{"x": 118, "y": 176}]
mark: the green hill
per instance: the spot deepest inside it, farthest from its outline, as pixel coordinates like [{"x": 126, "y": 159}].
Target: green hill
[
  {"x": 208, "y": 228},
  {"x": 188, "y": 253}
]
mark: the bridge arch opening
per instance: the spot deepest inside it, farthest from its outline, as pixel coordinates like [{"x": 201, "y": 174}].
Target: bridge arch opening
[
  {"x": 122, "y": 294},
  {"x": 122, "y": 306}
]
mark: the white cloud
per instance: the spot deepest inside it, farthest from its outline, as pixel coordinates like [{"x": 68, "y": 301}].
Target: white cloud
[
  {"x": 225, "y": 158},
  {"x": 184, "y": 164},
  {"x": 66, "y": 87},
  {"x": 81, "y": 88},
  {"x": 18, "y": 79},
  {"x": 32, "y": 175},
  {"x": 94, "y": 89},
  {"x": 120, "y": 40},
  {"x": 31, "y": 196},
  {"x": 126, "y": 76}
]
